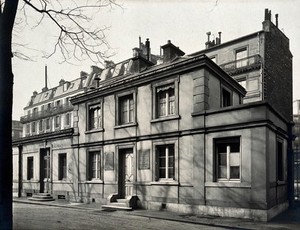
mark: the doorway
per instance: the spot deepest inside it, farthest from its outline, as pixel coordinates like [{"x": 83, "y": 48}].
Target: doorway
[
  {"x": 126, "y": 173},
  {"x": 44, "y": 170}
]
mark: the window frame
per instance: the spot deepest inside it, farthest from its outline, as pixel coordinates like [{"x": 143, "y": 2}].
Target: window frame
[
  {"x": 224, "y": 88},
  {"x": 41, "y": 126},
  {"x": 155, "y": 149},
  {"x": 238, "y": 60},
  {"x": 95, "y": 103},
  {"x": 46, "y": 123},
  {"x": 69, "y": 115},
  {"x": 99, "y": 164},
  {"x": 62, "y": 166},
  {"x": 280, "y": 167},
  {"x": 227, "y": 141},
  {"x": 57, "y": 123},
  {"x": 155, "y": 105},
  {"x": 33, "y": 127},
  {"x": 118, "y": 98}
]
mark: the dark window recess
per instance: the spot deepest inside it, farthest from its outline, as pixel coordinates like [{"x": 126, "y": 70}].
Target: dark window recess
[
  {"x": 62, "y": 164},
  {"x": 29, "y": 168},
  {"x": 280, "y": 160},
  {"x": 226, "y": 98}
]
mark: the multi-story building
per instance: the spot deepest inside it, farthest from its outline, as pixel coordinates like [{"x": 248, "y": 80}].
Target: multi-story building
[
  {"x": 175, "y": 132},
  {"x": 47, "y": 128},
  {"x": 17, "y": 129},
  {"x": 261, "y": 62},
  {"x": 296, "y": 148}
]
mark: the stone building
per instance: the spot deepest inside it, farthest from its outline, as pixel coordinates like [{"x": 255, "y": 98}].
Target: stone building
[
  {"x": 296, "y": 148},
  {"x": 173, "y": 132},
  {"x": 17, "y": 129}
]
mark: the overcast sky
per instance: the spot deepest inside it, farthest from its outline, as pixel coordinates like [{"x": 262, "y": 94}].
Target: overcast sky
[{"x": 185, "y": 23}]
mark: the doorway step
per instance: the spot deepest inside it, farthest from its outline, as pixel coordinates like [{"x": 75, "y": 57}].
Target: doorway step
[
  {"x": 41, "y": 197},
  {"x": 127, "y": 204}
]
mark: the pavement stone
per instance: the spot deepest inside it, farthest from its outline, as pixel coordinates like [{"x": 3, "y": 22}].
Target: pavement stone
[{"x": 287, "y": 220}]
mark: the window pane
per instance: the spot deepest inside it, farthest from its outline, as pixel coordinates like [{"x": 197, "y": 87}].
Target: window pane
[
  {"x": 222, "y": 159},
  {"x": 171, "y": 172},
  {"x": 234, "y": 172},
  {"x": 222, "y": 148},
  {"x": 235, "y": 147},
  {"x": 162, "y": 103},
  {"x": 162, "y": 172},
  {"x": 222, "y": 172}
]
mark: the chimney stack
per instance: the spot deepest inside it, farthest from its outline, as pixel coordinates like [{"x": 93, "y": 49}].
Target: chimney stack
[
  {"x": 219, "y": 37},
  {"x": 147, "y": 43},
  {"x": 46, "y": 79},
  {"x": 276, "y": 17}
]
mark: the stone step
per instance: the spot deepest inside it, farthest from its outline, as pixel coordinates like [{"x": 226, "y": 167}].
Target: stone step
[
  {"x": 114, "y": 206},
  {"x": 121, "y": 200},
  {"x": 41, "y": 197}
]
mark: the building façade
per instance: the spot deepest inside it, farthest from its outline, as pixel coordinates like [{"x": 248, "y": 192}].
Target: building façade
[{"x": 175, "y": 134}]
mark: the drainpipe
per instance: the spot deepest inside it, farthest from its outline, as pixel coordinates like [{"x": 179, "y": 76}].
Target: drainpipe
[{"x": 20, "y": 178}]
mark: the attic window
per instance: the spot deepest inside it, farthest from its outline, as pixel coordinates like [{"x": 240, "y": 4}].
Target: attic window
[{"x": 72, "y": 85}]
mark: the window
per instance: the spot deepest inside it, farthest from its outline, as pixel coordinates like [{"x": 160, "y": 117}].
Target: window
[
  {"x": 62, "y": 166},
  {"x": 57, "y": 103},
  {"x": 241, "y": 58},
  {"x": 68, "y": 101},
  {"x": 95, "y": 117},
  {"x": 94, "y": 171},
  {"x": 27, "y": 128},
  {"x": 227, "y": 158},
  {"x": 225, "y": 97},
  {"x": 165, "y": 100},
  {"x": 33, "y": 127},
  {"x": 57, "y": 122},
  {"x": 29, "y": 168},
  {"x": 67, "y": 119},
  {"x": 35, "y": 111},
  {"x": 165, "y": 162},
  {"x": 280, "y": 161},
  {"x": 48, "y": 123},
  {"x": 41, "y": 126},
  {"x": 126, "y": 109},
  {"x": 48, "y": 106}
]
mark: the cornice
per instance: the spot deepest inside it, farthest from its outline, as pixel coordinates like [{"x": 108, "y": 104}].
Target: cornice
[{"x": 44, "y": 136}]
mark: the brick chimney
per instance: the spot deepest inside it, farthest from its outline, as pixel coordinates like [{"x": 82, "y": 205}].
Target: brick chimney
[
  {"x": 170, "y": 51},
  {"x": 139, "y": 61}
]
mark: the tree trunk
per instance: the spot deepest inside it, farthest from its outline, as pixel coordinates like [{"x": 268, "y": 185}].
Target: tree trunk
[{"x": 7, "y": 18}]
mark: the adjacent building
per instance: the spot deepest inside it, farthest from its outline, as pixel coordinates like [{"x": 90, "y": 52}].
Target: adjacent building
[
  {"x": 202, "y": 133},
  {"x": 17, "y": 129},
  {"x": 296, "y": 147}
]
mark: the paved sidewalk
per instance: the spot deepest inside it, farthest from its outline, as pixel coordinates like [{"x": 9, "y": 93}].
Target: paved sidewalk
[{"x": 287, "y": 220}]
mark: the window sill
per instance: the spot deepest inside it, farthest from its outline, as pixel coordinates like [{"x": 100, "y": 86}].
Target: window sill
[
  {"x": 30, "y": 181},
  {"x": 95, "y": 181},
  {"x": 166, "y": 118},
  {"x": 94, "y": 131},
  {"x": 125, "y": 125},
  {"x": 165, "y": 182},
  {"x": 63, "y": 181},
  {"x": 228, "y": 184}
]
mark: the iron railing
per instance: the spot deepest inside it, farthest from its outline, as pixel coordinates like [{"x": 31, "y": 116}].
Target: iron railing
[
  {"x": 241, "y": 65},
  {"x": 47, "y": 113}
]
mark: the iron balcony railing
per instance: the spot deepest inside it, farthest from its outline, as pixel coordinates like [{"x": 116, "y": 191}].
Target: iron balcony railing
[
  {"x": 47, "y": 113},
  {"x": 242, "y": 65}
]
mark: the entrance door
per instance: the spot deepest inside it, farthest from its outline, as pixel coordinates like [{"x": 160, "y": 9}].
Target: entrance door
[
  {"x": 126, "y": 172},
  {"x": 44, "y": 170}
]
